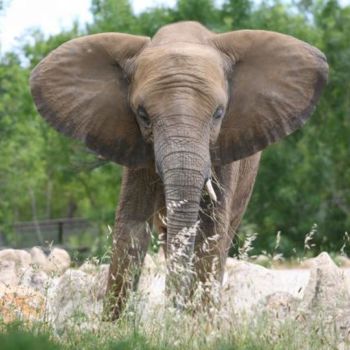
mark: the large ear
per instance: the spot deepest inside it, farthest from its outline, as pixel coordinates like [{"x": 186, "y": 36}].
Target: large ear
[
  {"x": 275, "y": 81},
  {"x": 81, "y": 89}
]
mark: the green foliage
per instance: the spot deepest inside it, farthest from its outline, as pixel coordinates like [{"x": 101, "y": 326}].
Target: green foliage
[
  {"x": 112, "y": 16},
  {"x": 42, "y": 173},
  {"x": 236, "y": 14},
  {"x": 16, "y": 337},
  {"x": 203, "y": 11},
  {"x": 302, "y": 180}
]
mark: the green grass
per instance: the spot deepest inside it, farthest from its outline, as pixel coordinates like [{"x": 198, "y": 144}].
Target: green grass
[
  {"x": 173, "y": 333},
  {"x": 17, "y": 337}
]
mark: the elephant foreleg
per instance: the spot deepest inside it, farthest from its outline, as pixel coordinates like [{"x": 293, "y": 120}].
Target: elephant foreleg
[
  {"x": 214, "y": 223},
  {"x": 220, "y": 221},
  {"x": 130, "y": 238}
]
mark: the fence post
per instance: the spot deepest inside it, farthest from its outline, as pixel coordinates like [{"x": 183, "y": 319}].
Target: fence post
[
  {"x": 2, "y": 240},
  {"x": 60, "y": 232}
]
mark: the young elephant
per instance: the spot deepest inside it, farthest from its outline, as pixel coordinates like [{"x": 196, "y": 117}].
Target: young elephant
[{"x": 177, "y": 111}]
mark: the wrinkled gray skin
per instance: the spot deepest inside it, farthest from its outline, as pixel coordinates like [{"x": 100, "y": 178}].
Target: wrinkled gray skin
[
  {"x": 143, "y": 194},
  {"x": 179, "y": 109}
]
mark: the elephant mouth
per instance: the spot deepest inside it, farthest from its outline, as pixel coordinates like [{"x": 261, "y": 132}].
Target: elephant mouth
[{"x": 208, "y": 185}]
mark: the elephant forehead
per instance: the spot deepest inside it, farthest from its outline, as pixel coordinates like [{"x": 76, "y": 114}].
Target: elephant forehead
[
  {"x": 191, "y": 61},
  {"x": 179, "y": 73}
]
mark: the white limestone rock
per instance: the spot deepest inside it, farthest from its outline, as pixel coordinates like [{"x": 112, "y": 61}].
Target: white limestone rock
[
  {"x": 58, "y": 262},
  {"x": 72, "y": 301}
]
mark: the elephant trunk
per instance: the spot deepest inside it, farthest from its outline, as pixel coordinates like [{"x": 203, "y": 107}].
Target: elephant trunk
[
  {"x": 183, "y": 166},
  {"x": 182, "y": 221}
]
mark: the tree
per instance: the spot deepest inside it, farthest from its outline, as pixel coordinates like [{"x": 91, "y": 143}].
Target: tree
[
  {"x": 302, "y": 180},
  {"x": 112, "y": 16}
]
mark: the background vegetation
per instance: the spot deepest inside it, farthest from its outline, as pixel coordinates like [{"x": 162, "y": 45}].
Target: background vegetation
[
  {"x": 302, "y": 181},
  {"x": 177, "y": 333}
]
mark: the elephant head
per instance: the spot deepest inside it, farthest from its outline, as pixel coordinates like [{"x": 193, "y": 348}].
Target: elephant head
[{"x": 182, "y": 102}]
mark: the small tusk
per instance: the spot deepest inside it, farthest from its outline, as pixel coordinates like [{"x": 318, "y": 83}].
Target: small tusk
[{"x": 210, "y": 190}]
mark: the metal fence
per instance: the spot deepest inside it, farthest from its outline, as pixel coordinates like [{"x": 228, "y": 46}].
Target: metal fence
[{"x": 46, "y": 232}]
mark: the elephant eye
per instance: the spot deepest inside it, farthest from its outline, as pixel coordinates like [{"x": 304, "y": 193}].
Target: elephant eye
[
  {"x": 219, "y": 113},
  {"x": 143, "y": 117}
]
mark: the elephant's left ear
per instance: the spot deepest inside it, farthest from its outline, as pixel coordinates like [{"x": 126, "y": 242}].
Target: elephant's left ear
[{"x": 275, "y": 82}]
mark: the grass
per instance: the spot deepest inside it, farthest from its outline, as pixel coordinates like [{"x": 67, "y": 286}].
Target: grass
[
  {"x": 175, "y": 331},
  {"x": 169, "y": 329},
  {"x": 16, "y": 336}
]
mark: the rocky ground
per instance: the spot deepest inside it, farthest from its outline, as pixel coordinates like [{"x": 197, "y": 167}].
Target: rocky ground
[{"x": 34, "y": 286}]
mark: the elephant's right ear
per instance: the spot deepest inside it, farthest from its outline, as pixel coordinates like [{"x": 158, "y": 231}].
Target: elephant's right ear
[{"x": 81, "y": 89}]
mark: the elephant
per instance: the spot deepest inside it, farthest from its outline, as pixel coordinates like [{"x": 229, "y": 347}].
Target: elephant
[{"x": 187, "y": 114}]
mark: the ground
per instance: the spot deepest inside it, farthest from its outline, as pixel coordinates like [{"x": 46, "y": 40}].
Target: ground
[{"x": 307, "y": 307}]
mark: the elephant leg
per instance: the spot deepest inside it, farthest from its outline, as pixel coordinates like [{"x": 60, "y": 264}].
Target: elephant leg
[
  {"x": 131, "y": 236},
  {"x": 210, "y": 258},
  {"x": 234, "y": 185}
]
